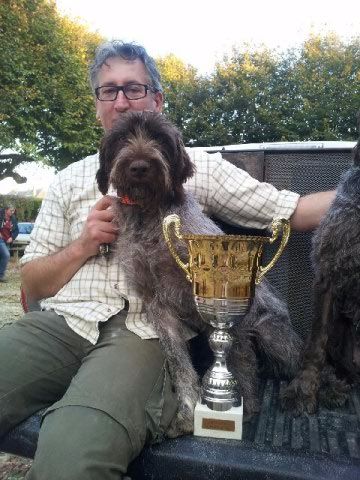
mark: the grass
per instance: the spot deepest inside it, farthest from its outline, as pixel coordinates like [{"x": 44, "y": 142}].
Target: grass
[
  {"x": 13, "y": 468},
  {"x": 11, "y": 309}
]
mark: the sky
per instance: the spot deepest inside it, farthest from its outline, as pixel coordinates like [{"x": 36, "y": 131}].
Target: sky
[
  {"x": 38, "y": 177},
  {"x": 200, "y": 32}
]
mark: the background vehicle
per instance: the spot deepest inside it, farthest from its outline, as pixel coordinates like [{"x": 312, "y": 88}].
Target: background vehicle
[{"x": 23, "y": 238}]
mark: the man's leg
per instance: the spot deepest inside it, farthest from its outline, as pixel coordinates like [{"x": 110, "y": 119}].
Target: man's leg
[
  {"x": 120, "y": 399},
  {"x": 39, "y": 355},
  {"x": 4, "y": 258}
]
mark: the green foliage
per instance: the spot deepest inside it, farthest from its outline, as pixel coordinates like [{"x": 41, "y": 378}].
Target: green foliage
[
  {"x": 182, "y": 92},
  {"x": 46, "y": 108},
  {"x": 27, "y": 208},
  {"x": 311, "y": 93},
  {"x": 327, "y": 79},
  {"x": 244, "y": 95}
]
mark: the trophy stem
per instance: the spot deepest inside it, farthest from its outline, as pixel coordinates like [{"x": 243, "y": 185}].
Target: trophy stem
[{"x": 219, "y": 385}]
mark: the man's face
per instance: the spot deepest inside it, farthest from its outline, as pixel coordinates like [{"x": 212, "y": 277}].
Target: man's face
[{"x": 118, "y": 71}]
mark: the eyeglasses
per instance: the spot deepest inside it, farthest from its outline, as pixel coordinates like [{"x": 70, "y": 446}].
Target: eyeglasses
[{"x": 132, "y": 91}]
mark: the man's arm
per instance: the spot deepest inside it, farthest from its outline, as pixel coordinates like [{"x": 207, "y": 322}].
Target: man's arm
[
  {"x": 45, "y": 276},
  {"x": 310, "y": 209}
]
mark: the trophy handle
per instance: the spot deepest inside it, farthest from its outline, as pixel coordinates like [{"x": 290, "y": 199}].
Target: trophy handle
[
  {"x": 277, "y": 224},
  {"x": 174, "y": 220}
]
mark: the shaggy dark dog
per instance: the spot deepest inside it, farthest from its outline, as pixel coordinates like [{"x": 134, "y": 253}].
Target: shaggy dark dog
[
  {"x": 145, "y": 161},
  {"x": 331, "y": 360}
]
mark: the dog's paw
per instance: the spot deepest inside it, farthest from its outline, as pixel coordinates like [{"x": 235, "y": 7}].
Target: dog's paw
[
  {"x": 251, "y": 408},
  {"x": 183, "y": 421},
  {"x": 180, "y": 426},
  {"x": 334, "y": 394},
  {"x": 299, "y": 397}
]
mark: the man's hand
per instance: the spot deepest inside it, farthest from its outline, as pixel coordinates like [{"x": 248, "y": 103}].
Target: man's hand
[
  {"x": 99, "y": 227},
  {"x": 45, "y": 276},
  {"x": 9, "y": 240}
]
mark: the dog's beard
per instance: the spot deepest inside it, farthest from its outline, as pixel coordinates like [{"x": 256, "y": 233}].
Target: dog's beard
[
  {"x": 138, "y": 193},
  {"x": 149, "y": 195}
]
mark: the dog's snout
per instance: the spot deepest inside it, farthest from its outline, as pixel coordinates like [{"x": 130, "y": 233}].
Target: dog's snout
[{"x": 139, "y": 168}]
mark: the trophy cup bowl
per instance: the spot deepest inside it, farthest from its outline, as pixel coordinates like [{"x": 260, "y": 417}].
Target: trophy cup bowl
[{"x": 223, "y": 271}]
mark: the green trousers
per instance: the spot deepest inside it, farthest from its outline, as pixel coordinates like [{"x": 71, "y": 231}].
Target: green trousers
[{"x": 105, "y": 401}]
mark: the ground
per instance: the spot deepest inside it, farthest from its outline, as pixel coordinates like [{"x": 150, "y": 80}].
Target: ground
[
  {"x": 11, "y": 467},
  {"x": 11, "y": 309}
]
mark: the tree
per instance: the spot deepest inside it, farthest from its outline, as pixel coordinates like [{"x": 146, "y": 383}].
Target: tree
[
  {"x": 46, "y": 108},
  {"x": 184, "y": 91},
  {"x": 310, "y": 93},
  {"x": 327, "y": 79},
  {"x": 244, "y": 88}
]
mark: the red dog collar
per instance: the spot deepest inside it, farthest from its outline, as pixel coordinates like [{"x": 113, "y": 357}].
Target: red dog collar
[{"x": 127, "y": 201}]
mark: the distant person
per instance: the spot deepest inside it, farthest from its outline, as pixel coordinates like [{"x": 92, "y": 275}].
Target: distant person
[{"x": 8, "y": 232}]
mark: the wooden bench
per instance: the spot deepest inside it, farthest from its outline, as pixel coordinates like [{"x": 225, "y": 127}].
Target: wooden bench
[{"x": 18, "y": 247}]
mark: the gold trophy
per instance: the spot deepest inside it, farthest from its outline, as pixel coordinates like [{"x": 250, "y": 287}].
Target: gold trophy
[{"x": 223, "y": 270}]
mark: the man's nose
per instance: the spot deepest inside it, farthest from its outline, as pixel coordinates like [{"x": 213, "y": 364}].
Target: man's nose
[{"x": 121, "y": 103}]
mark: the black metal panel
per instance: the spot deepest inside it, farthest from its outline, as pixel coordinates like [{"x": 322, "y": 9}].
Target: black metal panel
[
  {"x": 252, "y": 162},
  {"x": 301, "y": 172}
]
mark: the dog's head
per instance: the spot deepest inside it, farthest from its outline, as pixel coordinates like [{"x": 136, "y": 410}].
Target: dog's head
[{"x": 143, "y": 157}]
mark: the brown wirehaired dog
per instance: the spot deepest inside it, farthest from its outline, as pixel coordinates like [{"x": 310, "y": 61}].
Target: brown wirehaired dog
[
  {"x": 145, "y": 161},
  {"x": 331, "y": 360}
]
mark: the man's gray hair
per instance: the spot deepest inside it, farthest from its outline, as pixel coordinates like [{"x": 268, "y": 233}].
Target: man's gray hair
[{"x": 127, "y": 51}]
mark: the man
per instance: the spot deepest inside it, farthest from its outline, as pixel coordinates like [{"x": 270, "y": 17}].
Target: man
[
  {"x": 90, "y": 353},
  {"x": 8, "y": 232}
]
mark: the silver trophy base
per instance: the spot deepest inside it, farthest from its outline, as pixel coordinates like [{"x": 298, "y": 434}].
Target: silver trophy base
[
  {"x": 216, "y": 424},
  {"x": 219, "y": 385},
  {"x": 220, "y": 413}
]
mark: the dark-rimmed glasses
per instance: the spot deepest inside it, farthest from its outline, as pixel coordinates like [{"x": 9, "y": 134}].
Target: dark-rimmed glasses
[{"x": 132, "y": 91}]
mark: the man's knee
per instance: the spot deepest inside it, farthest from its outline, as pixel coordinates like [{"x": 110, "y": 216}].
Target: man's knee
[{"x": 77, "y": 443}]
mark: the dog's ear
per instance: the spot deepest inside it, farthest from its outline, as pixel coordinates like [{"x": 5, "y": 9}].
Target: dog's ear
[
  {"x": 186, "y": 166},
  {"x": 356, "y": 154},
  {"x": 107, "y": 152},
  {"x": 356, "y": 149},
  {"x": 102, "y": 175}
]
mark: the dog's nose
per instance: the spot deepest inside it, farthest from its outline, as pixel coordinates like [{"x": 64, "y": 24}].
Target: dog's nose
[{"x": 139, "y": 168}]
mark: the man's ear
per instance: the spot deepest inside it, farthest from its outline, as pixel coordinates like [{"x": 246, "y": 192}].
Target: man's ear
[{"x": 159, "y": 101}]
